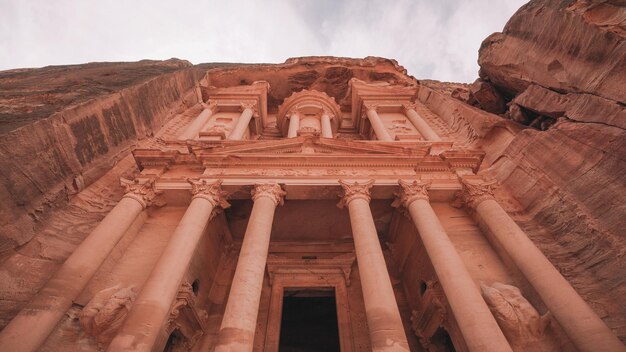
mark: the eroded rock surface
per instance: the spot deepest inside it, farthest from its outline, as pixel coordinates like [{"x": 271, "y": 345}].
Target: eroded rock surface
[
  {"x": 520, "y": 322},
  {"x": 326, "y": 74},
  {"x": 562, "y": 68},
  {"x": 63, "y": 127}
]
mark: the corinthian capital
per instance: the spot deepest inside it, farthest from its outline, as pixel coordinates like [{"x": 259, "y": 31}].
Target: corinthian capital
[
  {"x": 211, "y": 105},
  {"x": 252, "y": 105},
  {"x": 354, "y": 190},
  {"x": 142, "y": 191},
  {"x": 410, "y": 192},
  {"x": 209, "y": 190},
  {"x": 272, "y": 191},
  {"x": 408, "y": 106},
  {"x": 370, "y": 105},
  {"x": 476, "y": 191}
]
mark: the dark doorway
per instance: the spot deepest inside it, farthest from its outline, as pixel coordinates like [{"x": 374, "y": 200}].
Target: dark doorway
[{"x": 309, "y": 321}]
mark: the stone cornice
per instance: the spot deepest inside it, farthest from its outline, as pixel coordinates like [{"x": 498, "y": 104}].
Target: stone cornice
[
  {"x": 272, "y": 191},
  {"x": 211, "y": 191},
  {"x": 355, "y": 190},
  {"x": 410, "y": 192},
  {"x": 143, "y": 191}
]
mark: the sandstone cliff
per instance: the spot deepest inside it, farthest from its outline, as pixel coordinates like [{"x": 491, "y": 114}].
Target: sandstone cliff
[
  {"x": 560, "y": 67},
  {"x": 63, "y": 127}
]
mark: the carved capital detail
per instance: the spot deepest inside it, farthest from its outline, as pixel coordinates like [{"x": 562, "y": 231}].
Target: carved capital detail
[
  {"x": 292, "y": 112},
  {"x": 352, "y": 191},
  {"x": 211, "y": 105},
  {"x": 409, "y": 106},
  {"x": 272, "y": 191},
  {"x": 327, "y": 112},
  {"x": 370, "y": 105},
  {"x": 209, "y": 190},
  {"x": 252, "y": 105},
  {"x": 476, "y": 191},
  {"x": 410, "y": 192},
  {"x": 143, "y": 191}
]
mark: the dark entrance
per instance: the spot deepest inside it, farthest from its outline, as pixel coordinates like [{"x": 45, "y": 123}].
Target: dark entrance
[{"x": 309, "y": 321}]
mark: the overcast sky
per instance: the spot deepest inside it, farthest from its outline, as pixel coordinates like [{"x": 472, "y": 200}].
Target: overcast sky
[{"x": 436, "y": 39}]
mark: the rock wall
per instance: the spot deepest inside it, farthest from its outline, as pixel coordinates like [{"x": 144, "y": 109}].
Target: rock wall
[
  {"x": 325, "y": 74},
  {"x": 63, "y": 127},
  {"x": 560, "y": 67}
]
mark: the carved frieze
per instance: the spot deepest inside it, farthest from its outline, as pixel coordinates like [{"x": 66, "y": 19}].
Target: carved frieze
[{"x": 319, "y": 267}]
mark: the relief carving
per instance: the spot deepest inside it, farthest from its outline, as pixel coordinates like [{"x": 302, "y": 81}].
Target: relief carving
[
  {"x": 475, "y": 192},
  {"x": 143, "y": 191},
  {"x": 269, "y": 190},
  {"x": 209, "y": 190},
  {"x": 520, "y": 322},
  {"x": 185, "y": 317},
  {"x": 106, "y": 311},
  {"x": 410, "y": 191},
  {"x": 355, "y": 190}
]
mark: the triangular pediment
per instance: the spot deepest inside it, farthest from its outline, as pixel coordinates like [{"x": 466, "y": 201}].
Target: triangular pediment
[{"x": 315, "y": 145}]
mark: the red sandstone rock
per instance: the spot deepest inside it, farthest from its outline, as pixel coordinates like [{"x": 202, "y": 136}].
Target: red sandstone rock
[
  {"x": 563, "y": 185},
  {"x": 487, "y": 97},
  {"x": 576, "y": 46}
]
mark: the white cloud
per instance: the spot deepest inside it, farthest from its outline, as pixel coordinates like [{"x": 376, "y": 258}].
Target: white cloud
[{"x": 432, "y": 39}]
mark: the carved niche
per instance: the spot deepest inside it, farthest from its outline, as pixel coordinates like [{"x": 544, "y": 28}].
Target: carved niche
[
  {"x": 185, "y": 318},
  {"x": 430, "y": 315}
]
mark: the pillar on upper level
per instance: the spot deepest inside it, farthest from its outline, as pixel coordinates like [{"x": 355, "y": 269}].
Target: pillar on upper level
[
  {"x": 478, "y": 326},
  {"x": 420, "y": 124},
  {"x": 327, "y": 129},
  {"x": 194, "y": 128},
  {"x": 149, "y": 312},
  {"x": 242, "y": 123},
  {"x": 32, "y": 325},
  {"x": 377, "y": 124},
  {"x": 586, "y": 330},
  {"x": 381, "y": 309},
  {"x": 294, "y": 124},
  {"x": 240, "y": 317}
]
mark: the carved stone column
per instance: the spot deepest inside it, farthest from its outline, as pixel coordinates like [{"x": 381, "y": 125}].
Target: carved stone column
[
  {"x": 191, "y": 132},
  {"x": 30, "y": 328},
  {"x": 243, "y": 122},
  {"x": 422, "y": 126},
  {"x": 383, "y": 317},
  {"x": 377, "y": 124},
  {"x": 240, "y": 317},
  {"x": 586, "y": 330},
  {"x": 327, "y": 129},
  {"x": 149, "y": 313},
  {"x": 294, "y": 124},
  {"x": 478, "y": 326}
]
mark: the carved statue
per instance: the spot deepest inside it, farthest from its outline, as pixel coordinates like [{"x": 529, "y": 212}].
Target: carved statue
[
  {"x": 104, "y": 314},
  {"x": 520, "y": 322}
]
